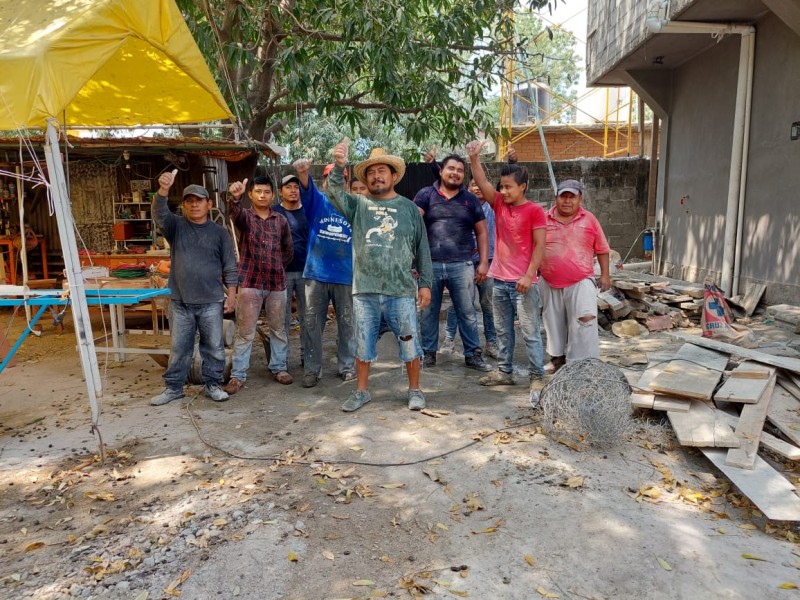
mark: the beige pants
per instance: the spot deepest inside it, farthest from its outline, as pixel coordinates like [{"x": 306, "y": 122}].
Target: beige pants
[{"x": 562, "y": 309}]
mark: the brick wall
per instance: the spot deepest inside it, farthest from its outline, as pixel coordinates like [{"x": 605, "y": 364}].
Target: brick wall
[{"x": 565, "y": 143}]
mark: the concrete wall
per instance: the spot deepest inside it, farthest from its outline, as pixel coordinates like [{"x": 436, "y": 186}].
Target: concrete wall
[
  {"x": 615, "y": 28},
  {"x": 699, "y": 148}
]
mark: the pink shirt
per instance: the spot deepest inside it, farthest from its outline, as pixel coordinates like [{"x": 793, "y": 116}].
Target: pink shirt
[
  {"x": 514, "y": 245},
  {"x": 570, "y": 248}
]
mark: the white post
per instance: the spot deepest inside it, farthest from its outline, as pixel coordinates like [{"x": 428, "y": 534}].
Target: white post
[
  {"x": 735, "y": 175},
  {"x": 69, "y": 247}
]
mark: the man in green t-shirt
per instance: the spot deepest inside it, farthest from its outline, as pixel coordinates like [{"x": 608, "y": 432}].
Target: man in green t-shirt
[{"x": 389, "y": 242}]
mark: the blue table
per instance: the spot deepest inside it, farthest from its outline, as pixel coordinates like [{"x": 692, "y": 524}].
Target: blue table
[{"x": 115, "y": 299}]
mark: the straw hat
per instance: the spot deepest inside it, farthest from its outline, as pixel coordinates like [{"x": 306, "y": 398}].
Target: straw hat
[
  {"x": 378, "y": 156},
  {"x": 628, "y": 328}
]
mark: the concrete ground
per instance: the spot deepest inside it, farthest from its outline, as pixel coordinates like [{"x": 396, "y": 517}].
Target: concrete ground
[{"x": 277, "y": 494}]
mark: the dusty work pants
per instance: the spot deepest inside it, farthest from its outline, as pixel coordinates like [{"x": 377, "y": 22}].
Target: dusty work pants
[
  {"x": 248, "y": 308},
  {"x": 562, "y": 309},
  {"x": 295, "y": 283},
  {"x": 185, "y": 320},
  {"x": 318, "y": 295},
  {"x": 505, "y": 300}
]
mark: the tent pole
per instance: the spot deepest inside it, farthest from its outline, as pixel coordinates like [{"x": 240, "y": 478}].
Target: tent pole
[{"x": 69, "y": 247}]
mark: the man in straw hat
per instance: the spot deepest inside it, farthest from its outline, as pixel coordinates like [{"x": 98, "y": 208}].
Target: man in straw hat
[
  {"x": 389, "y": 241},
  {"x": 567, "y": 286}
]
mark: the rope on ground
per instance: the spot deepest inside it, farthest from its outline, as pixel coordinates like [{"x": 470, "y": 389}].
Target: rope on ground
[{"x": 277, "y": 457}]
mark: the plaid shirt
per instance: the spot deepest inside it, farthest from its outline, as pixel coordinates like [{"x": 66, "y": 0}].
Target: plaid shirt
[{"x": 265, "y": 246}]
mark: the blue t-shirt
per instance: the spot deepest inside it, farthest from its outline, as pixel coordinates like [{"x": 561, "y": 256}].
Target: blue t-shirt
[
  {"x": 330, "y": 239},
  {"x": 299, "y": 226},
  {"x": 450, "y": 222}
]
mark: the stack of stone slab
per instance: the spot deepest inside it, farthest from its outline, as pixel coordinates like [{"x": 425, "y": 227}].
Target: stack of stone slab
[{"x": 718, "y": 398}]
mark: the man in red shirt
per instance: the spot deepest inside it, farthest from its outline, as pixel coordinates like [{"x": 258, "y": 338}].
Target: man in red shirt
[{"x": 567, "y": 286}]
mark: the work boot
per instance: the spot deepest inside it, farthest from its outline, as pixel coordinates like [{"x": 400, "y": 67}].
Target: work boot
[
  {"x": 448, "y": 345},
  {"x": 416, "y": 400},
  {"x": 476, "y": 362},
  {"x": 216, "y": 393},
  {"x": 555, "y": 364},
  {"x": 491, "y": 349},
  {"x": 310, "y": 380},
  {"x": 356, "y": 400},
  {"x": 497, "y": 377},
  {"x": 429, "y": 360},
  {"x": 283, "y": 377},
  {"x": 167, "y": 396},
  {"x": 348, "y": 376},
  {"x": 536, "y": 383},
  {"x": 234, "y": 385}
]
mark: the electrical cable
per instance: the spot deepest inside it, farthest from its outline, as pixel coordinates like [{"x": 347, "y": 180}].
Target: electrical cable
[{"x": 477, "y": 440}]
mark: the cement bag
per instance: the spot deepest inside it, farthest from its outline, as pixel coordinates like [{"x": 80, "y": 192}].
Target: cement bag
[{"x": 716, "y": 320}]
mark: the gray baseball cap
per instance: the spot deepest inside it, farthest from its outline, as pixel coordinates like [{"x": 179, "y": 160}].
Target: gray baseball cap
[
  {"x": 288, "y": 178},
  {"x": 570, "y": 185},
  {"x": 195, "y": 190}
]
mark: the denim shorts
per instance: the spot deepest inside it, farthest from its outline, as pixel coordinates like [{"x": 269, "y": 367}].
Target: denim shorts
[{"x": 400, "y": 314}]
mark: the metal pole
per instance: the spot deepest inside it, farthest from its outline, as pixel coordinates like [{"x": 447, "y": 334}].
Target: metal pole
[{"x": 69, "y": 247}]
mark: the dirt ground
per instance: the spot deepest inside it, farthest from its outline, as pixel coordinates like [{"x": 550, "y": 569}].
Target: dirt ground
[{"x": 279, "y": 494}]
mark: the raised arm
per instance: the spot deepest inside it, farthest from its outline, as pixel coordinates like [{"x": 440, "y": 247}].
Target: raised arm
[
  {"x": 345, "y": 203},
  {"x": 165, "y": 219},
  {"x": 478, "y": 174},
  {"x": 310, "y": 196},
  {"x": 236, "y": 214}
]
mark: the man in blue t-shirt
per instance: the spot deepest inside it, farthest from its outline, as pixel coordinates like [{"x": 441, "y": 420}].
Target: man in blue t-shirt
[
  {"x": 452, "y": 217},
  {"x": 291, "y": 208},
  {"x": 329, "y": 277}
]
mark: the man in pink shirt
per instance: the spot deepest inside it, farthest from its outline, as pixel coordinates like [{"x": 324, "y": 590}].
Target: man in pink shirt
[
  {"x": 569, "y": 292},
  {"x": 519, "y": 250}
]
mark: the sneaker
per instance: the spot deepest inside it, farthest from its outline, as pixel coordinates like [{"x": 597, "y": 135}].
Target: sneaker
[
  {"x": 348, "y": 376},
  {"x": 234, "y": 385},
  {"x": 491, "y": 349},
  {"x": 167, "y": 396},
  {"x": 216, "y": 393},
  {"x": 283, "y": 377},
  {"x": 476, "y": 362},
  {"x": 448, "y": 345},
  {"x": 356, "y": 400},
  {"x": 416, "y": 400},
  {"x": 309, "y": 380},
  {"x": 555, "y": 364},
  {"x": 497, "y": 377},
  {"x": 429, "y": 360}
]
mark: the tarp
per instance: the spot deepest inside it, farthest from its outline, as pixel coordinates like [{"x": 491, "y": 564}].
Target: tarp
[{"x": 102, "y": 63}]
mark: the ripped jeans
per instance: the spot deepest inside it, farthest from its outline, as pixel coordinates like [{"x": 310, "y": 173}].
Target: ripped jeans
[{"x": 400, "y": 314}]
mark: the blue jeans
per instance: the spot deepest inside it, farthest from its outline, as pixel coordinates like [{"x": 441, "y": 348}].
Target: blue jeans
[
  {"x": 295, "y": 283},
  {"x": 505, "y": 299},
  {"x": 318, "y": 295},
  {"x": 459, "y": 279},
  {"x": 485, "y": 298},
  {"x": 399, "y": 313},
  {"x": 248, "y": 308},
  {"x": 185, "y": 320}
]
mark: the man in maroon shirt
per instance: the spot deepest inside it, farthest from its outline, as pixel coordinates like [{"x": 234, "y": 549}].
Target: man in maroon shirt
[{"x": 265, "y": 245}]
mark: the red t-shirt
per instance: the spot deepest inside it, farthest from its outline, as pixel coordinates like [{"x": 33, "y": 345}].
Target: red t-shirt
[
  {"x": 571, "y": 247},
  {"x": 514, "y": 245}
]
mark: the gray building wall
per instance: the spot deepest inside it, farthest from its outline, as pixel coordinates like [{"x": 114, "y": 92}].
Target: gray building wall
[
  {"x": 615, "y": 28},
  {"x": 699, "y": 148}
]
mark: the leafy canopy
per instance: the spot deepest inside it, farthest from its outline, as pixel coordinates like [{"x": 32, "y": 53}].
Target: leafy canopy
[{"x": 428, "y": 65}]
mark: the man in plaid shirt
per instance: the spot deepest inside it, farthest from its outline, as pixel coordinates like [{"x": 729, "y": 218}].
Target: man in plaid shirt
[{"x": 265, "y": 246}]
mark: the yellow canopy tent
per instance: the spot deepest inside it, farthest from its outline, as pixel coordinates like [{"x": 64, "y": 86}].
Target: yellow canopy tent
[
  {"x": 102, "y": 62},
  {"x": 96, "y": 63}
]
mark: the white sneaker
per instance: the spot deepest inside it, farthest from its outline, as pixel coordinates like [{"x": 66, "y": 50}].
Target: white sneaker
[
  {"x": 216, "y": 393},
  {"x": 448, "y": 345}
]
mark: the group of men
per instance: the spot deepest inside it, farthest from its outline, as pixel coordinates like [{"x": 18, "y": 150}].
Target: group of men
[{"x": 383, "y": 261}]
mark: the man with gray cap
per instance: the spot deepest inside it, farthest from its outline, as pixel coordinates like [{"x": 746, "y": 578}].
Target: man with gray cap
[
  {"x": 292, "y": 208},
  {"x": 202, "y": 280},
  {"x": 567, "y": 285}
]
